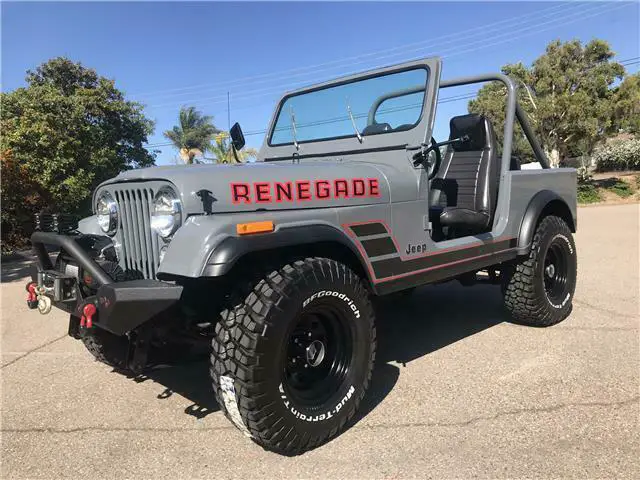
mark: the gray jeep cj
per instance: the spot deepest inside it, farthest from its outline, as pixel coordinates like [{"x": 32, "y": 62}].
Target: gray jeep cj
[{"x": 273, "y": 265}]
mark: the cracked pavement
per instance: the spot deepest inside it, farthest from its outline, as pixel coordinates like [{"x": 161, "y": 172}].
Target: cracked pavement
[{"x": 457, "y": 392}]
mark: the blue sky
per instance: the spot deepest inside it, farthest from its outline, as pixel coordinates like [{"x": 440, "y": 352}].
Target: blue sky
[{"x": 170, "y": 54}]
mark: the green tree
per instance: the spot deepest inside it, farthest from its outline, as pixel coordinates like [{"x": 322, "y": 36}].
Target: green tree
[
  {"x": 68, "y": 130},
  {"x": 193, "y": 136},
  {"x": 626, "y": 105},
  {"x": 22, "y": 197},
  {"x": 568, "y": 97},
  {"x": 223, "y": 153}
]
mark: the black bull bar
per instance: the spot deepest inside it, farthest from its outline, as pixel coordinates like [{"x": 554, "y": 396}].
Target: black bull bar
[{"x": 121, "y": 306}]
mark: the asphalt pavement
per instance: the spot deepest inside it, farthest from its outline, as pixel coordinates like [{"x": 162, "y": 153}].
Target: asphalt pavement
[{"x": 458, "y": 392}]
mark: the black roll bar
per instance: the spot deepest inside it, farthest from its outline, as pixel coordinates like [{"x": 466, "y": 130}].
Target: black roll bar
[
  {"x": 533, "y": 140},
  {"x": 513, "y": 111}
]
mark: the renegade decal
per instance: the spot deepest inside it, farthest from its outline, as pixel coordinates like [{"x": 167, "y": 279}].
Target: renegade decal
[
  {"x": 284, "y": 192},
  {"x": 240, "y": 193},
  {"x": 304, "y": 190},
  {"x": 263, "y": 192}
]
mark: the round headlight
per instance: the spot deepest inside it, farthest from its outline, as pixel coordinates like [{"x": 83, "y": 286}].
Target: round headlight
[
  {"x": 167, "y": 212},
  {"x": 107, "y": 213}
]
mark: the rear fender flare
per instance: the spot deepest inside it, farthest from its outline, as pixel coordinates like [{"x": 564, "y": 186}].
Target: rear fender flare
[{"x": 540, "y": 202}]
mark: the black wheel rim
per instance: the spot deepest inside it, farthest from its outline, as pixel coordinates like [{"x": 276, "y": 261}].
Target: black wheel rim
[
  {"x": 556, "y": 271},
  {"x": 319, "y": 355}
]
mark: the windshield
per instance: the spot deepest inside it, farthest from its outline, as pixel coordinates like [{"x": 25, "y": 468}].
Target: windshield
[{"x": 377, "y": 105}]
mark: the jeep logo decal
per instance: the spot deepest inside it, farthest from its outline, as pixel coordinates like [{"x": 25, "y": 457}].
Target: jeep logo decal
[
  {"x": 415, "y": 248},
  {"x": 304, "y": 190}
]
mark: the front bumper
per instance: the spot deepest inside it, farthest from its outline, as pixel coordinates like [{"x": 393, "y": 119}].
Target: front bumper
[{"x": 120, "y": 307}]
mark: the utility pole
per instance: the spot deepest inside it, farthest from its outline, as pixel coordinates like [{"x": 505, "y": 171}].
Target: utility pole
[{"x": 228, "y": 112}]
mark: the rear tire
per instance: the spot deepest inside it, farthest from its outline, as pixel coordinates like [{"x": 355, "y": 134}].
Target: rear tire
[
  {"x": 538, "y": 290},
  {"x": 293, "y": 355}
]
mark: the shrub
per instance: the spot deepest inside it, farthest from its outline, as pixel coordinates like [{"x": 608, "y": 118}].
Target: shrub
[
  {"x": 588, "y": 193},
  {"x": 618, "y": 155},
  {"x": 621, "y": 188}
]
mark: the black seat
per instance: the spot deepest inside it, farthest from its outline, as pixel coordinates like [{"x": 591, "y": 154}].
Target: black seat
[
  {"x": 465, "y": 190},
  {"x": 376, "y": 128}
]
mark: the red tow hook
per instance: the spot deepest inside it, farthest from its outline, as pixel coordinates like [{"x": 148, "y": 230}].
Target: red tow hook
[
  {"x": 88, "y": 311},
  {"x": 32, "y": 297}
]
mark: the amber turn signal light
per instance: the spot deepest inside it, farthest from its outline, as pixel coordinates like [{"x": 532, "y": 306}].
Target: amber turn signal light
[{"x": 254, "y": 227}]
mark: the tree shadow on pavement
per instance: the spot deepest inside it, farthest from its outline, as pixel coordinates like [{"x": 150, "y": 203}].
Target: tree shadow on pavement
[
  {"x": 12, "y": 271},
  {"x": 21, "y": 265},
  {"x": 434, "y": 317}
]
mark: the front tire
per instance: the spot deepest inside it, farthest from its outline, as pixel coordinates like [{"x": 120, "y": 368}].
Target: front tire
[
  {"x": 293, "y": 355},
  {"x": 538, "y": 290},
  {"x": 106, "y": 347}
]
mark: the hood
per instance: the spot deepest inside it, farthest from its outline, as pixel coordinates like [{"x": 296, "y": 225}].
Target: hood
[{"x": 269, "y": 185}]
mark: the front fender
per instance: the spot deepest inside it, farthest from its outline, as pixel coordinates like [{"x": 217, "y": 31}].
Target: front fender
[
  {"x": 208, "y": 246},
  {"x": 228, "y": 252}
]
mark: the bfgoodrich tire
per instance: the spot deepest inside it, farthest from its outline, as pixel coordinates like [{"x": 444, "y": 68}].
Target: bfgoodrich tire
[
  {"x": 292, "y": 357},
  {"x": 538, "y": 290}
]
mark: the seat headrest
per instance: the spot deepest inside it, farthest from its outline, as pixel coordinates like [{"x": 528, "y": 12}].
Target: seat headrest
[
  {"x": 376, "y": 128},
  {"x": 476, "y": 127}
]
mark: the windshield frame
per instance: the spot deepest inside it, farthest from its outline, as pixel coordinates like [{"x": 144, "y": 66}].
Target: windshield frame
[
  {"x": 348, "y": 81},
  {"x": 349, "y": 144}
]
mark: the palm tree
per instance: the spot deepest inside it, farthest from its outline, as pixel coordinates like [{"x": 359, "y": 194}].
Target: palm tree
[
  {"x": 194, "y": 134},
  {"x": 221, "y": 149}
]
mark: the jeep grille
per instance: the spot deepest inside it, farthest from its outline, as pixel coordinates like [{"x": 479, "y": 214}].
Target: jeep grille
[{"x": 139, "y": 250}]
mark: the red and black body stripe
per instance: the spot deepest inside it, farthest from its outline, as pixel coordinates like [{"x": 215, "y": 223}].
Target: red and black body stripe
[
  {"x": 397, "y": 266},
  {"x": 390, "y": 270},
  {"x": 376, "y": 247},
  {"x": 364, "y": 229}
]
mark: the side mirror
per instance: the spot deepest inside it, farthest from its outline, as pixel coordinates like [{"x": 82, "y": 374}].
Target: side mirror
[{"x": 237, "y": 137}]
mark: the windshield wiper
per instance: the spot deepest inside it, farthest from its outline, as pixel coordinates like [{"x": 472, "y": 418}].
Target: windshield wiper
[
  {"x": 353, "y": 122},
  {"x": 294, "y": 132}
]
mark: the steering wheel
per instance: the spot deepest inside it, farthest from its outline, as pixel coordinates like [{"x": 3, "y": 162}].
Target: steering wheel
[{"x": 433, "y": 166}]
